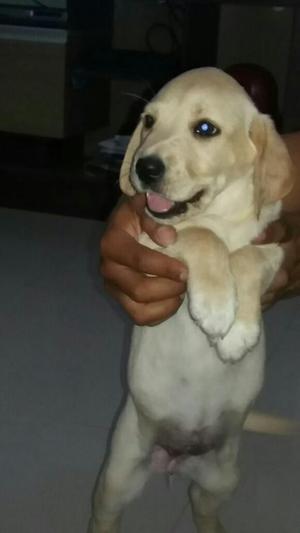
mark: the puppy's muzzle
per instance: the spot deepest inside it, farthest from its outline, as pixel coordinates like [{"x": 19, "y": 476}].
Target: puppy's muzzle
[{"x": 150, "y": 170}]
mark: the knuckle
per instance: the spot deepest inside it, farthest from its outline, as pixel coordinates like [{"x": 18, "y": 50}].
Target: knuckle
[
  {"x": 140, "y": 262},
  {"x": 139, "y": 317},
  {"x": 138, "y": 293}
]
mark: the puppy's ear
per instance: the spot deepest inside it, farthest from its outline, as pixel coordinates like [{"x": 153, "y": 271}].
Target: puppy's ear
[
  {"x": 134, "y": 143},
  {"x": 273, "y": 176}
]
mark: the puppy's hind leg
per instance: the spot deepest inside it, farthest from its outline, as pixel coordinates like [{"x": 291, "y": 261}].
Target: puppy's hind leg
[
  {"x": 204, "y": 508},
  {"x": 215, "y": 477},
  {"x": 124, "y": 473}
]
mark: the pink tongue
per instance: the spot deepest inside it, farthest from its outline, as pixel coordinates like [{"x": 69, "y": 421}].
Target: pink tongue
[{"x": 158, "y": 203}]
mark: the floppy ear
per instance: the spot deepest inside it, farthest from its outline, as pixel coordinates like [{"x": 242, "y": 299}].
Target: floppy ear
[
  {"x": 273, "y": 177},
  {"x": 134, "y": 143}
]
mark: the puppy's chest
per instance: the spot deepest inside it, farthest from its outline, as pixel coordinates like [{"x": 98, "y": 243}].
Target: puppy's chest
[
  {"x": 234, "y": 229},
  {"x": 233, "y": 235},
  {"x": 175, "y": 375}
]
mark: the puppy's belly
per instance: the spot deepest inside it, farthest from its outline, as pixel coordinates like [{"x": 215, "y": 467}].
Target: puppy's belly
[
  {"x": 176, "y": 377},
  {"x": 173, "y": 445}
]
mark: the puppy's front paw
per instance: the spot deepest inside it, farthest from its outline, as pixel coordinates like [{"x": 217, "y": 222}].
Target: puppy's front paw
[
  {"x": 213, "y": 310},
  {"x": 240, "y": 339}
]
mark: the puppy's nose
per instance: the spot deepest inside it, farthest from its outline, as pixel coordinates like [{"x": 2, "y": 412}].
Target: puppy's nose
[{"x": 150, "y": 169}]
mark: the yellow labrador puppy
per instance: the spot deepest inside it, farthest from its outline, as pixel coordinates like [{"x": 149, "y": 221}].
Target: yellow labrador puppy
[{"x": 215, "y": 168}]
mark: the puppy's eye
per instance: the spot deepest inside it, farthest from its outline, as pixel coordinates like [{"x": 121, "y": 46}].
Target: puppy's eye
[
  {"x": 148, "y": 121},
  {"x": 205, "y": 128}
]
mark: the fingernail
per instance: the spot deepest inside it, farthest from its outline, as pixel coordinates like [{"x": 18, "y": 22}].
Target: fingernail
[
  {"x": 166, "y": 236},
  {"x": 260, "y": 238},
  {"x": 182, "y": 296},
  {"x": 183, "y": 275}
]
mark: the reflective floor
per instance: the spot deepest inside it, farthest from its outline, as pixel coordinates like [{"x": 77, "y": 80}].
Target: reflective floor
[{"x": 63, "y": 346}]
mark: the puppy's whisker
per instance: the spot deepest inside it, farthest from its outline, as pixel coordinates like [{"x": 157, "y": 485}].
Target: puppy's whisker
[{"x": 137, "y": 96}]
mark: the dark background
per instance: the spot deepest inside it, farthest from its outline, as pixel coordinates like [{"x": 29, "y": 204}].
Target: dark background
[{"x": 70, "y": 70}]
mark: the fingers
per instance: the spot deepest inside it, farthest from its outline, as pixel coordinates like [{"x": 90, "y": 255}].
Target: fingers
[
  {"x": 283, "y": 281},
  {"x": 138, "y": 202},
  {"x": 290, "y": 255},
  {"x": 162, "y": 235},
  {"x": 138, "y": 287},
  {"x": 128, "y": 252},
  {"x": 283, "y": 231},
  {"x": 275, "y": 232},
  {"x": 125, "y": 263},
  {"x": 275, "y": 290},
  {"x": 295, "y": 276},
  {"x": 125, "y": 216},
  {"x": 294, "y": 272},
  {"x": 149, "y": 314},
  {"x": 280, "y": 281}
]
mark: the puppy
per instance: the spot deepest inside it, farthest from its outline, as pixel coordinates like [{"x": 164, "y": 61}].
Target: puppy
[{"x": 214, "y": 167}]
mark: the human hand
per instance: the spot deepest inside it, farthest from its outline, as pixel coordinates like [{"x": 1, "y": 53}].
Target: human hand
[
  {"x": 125, "y": 264},
  {"x": 286, "y": 283}
]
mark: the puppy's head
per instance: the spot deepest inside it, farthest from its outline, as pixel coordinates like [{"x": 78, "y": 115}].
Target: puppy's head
[{"x": 200, "y": 133}]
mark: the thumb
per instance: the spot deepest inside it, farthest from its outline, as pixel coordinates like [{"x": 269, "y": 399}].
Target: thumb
[
  {"x": 159, "y": 233},
  {"x": 162, "y": 234}
]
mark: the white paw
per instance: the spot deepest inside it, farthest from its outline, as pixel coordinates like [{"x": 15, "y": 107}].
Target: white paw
[
  {"x": 214, "y": 313},
  {"x": 240, "y": 339}
]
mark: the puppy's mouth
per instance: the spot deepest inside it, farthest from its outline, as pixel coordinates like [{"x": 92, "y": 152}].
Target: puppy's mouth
[{"x": 161, "y": 207}]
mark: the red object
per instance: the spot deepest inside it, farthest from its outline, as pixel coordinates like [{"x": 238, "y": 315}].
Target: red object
[{"x": 260, "y": 85}]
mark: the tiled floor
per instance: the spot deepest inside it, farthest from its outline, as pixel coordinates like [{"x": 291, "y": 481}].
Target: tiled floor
[{"x": 63, "y": 346}]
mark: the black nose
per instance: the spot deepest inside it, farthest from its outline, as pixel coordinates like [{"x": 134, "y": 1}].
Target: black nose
[{"x": 150, "y": 169}]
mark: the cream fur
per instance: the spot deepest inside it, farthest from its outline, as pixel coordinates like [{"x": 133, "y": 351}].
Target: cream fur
[{"x": 199, "y": 372}]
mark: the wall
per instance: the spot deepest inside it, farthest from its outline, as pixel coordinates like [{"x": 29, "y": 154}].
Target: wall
[
  {"x": 257, "y": 34},
  {"x": 132, "y": 19}
]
